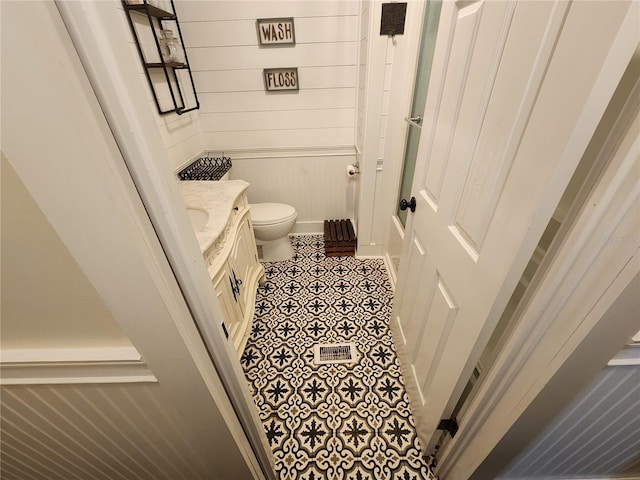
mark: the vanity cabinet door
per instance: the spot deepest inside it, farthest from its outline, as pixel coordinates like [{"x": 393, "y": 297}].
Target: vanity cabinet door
[
  {"x": 236, "y": 277},
  {"x": 243, "y": 261},
  {"x": 229, "y": 301}
]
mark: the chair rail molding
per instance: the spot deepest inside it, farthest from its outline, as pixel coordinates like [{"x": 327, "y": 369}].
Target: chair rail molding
[{"x": 55, "y": 366}]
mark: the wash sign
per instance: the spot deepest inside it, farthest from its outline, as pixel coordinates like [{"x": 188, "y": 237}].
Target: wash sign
[{"x": 276, "y": 31}]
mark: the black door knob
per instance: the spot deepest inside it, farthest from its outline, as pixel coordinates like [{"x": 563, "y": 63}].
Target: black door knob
[{"x": 411, "y": 204}]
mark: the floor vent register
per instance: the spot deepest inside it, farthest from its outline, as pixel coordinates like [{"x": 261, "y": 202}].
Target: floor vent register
[{"x": 334, "y": 353}]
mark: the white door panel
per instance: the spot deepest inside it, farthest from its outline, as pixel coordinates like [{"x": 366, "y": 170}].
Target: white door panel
[
  {"x": 499, "y": 143},
  {"x": 409, "y": 301}
]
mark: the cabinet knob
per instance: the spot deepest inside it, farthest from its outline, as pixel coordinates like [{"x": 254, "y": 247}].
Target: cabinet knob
[
  {"x": 233, "y": 289},
  {"x": 237, "y": 282}
]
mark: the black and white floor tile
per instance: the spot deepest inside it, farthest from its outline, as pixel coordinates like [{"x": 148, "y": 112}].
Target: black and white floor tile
[{"x": 332, "y": 421}]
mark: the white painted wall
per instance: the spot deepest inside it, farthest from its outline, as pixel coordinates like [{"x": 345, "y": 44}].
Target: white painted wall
[{"x": 47, "y": 301}]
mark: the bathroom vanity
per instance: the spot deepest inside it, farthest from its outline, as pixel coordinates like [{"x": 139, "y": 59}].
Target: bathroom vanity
[{"x": 219, "y": 213}]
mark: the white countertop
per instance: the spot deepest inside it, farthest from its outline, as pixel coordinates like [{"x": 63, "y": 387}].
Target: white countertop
[{"x": 217, "y": 198}]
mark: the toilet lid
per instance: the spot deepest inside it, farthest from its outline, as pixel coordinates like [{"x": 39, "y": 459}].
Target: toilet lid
[{"x": 270, "y": 213}]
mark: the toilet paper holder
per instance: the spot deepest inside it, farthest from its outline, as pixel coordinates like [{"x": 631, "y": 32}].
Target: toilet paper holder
[{"x": 353, "y": 169}]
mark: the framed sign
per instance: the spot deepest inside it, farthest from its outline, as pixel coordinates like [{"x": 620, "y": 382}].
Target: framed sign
[
  {"x": 276, "y": 31},
  {"x": 278, "y": 79},
  {"x": 393, "y": 16}
]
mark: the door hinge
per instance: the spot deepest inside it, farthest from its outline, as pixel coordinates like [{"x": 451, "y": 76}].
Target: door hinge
[{"x": 450, "y": 425}]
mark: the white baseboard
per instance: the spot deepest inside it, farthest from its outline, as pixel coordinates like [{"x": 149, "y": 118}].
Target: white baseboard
[
  {"x": 308, "y": 228},
  {"x": 628, "y": 356},
  {"x": 391, "y": 272},
  {"x": 369, "y": 251},
  {"x": 73, "y": 366}
]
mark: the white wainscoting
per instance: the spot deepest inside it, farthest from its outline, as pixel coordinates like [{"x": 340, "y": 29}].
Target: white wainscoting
[
  {"x": 100, "y": 432},
  {"x": 597, "y": 436},
  {"x": 314, "y": 181}
]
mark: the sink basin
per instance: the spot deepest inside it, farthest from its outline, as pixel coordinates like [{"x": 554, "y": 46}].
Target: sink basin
[{"x": 198, "y": 217}]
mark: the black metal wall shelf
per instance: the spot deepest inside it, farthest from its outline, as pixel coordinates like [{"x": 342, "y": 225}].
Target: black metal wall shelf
[{"x": 171, "y": 82}]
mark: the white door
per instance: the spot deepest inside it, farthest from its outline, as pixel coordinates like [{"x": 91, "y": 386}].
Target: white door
[{"x": 504, "y": 127}]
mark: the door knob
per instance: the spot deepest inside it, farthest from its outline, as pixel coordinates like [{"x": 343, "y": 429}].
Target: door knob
[{"x": 411, "y": 204}]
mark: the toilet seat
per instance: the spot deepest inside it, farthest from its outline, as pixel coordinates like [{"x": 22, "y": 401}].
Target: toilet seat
[{"x": 264, "y": 214}]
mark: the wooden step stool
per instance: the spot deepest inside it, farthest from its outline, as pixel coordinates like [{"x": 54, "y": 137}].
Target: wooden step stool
[{"x": 339, "y": 238}]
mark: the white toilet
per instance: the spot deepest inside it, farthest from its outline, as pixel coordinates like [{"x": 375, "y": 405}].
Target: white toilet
[{"x": 272, "y": 223}]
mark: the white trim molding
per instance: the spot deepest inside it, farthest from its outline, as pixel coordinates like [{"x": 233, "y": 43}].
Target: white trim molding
[
  {"x": 629, "y": 355},
  {"x": 391, "y": 272},
  {"x": 291, "y": 152},
  {"x": 369, "y": 251},
  {"x": 73, "y": 366},
  {"x": 308, "y": 228},
  {"x": 281, "y": 152}
]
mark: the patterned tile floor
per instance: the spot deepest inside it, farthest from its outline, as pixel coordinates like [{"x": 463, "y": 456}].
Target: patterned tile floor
[{"x": 330, "y": 422}]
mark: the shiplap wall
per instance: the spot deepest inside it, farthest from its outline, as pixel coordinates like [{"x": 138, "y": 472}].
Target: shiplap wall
[
  {"x": 291, "y": 147},
  {"x": 597, "y": 436},
  {"x": 181, "y": 134},
  {"x": 236, "y": 112},
  {"x": 237, "y": 115}
]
